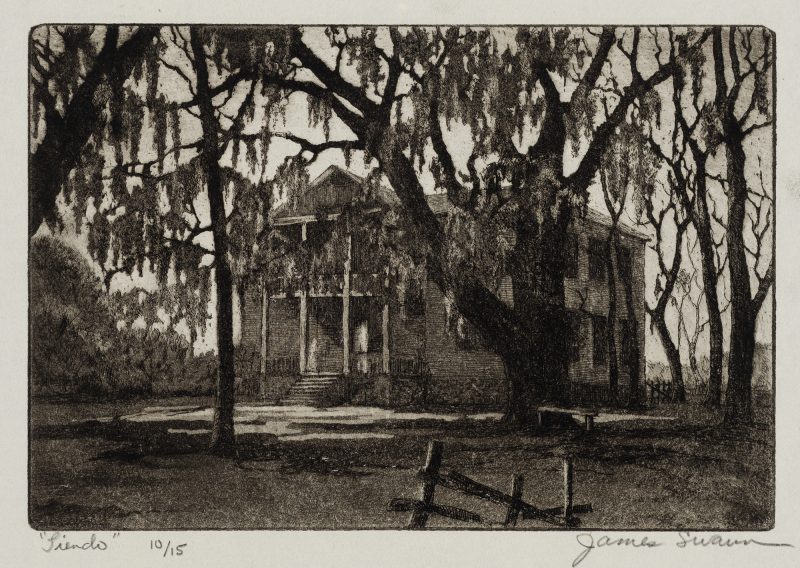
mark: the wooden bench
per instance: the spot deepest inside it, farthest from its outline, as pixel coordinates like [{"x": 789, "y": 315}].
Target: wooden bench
[{"x": 588, "y": 414}]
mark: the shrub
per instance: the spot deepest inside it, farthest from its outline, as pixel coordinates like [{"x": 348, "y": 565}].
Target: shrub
[
  {"x": 76, "y": 347},
  {"x": 70, "y": 323}
]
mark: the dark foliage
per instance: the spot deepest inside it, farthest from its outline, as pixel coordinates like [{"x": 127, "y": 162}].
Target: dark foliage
[{"x": 76, "y": 347}]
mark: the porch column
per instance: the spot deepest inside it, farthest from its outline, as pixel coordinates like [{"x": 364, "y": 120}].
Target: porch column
[
  {"x": 385, "y": 333},
  {"x": 264, "y": 327},
  {"x": 303, "y": 327},
  {"x": 346, "y": 309},
  {"x": 385, "y": 322},
  {"x": 303, "y": 315}
]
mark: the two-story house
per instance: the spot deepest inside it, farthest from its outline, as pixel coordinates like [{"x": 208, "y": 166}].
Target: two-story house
[{"x": 339, "y": 337}]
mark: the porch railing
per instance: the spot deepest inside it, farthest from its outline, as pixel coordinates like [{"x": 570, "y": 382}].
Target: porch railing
[
  {"x": 372, "y": 364},
  {"x": 408, "y": 367},
  {"x": 283, "y": 366}
]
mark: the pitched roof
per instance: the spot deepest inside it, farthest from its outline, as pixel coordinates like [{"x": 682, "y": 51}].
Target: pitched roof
[
  {"x": 330, "y": 192},
  {"x": 600, "y": 218},
  {"x": 336, "y": 188}
]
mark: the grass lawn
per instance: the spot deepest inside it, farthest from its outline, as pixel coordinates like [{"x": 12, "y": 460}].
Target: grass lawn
[{"x": 92, "y": 471}]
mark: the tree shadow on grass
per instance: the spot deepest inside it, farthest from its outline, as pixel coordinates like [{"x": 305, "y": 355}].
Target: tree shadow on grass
[
  {"x": 56, "y": 514},
  {"x": 112, "y": 430}
]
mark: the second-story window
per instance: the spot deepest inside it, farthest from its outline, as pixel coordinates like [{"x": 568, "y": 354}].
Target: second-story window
[
  {"x": 319, "y": 233},
  {"x": 575, "y": 335},
  {"x": 287, "y": 237},
  {"x": 364, "y": 253},
  {"x": 414, "y": 301},
  {"x": 625, "y": 265},
  {"x": 625, "y": 338},
  {"x": 597, "y": 259},
  {"x": 571, "y": 258},
  {"x": 599, "y": 340}
]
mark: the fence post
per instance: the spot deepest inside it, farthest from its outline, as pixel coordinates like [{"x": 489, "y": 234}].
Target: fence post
[
  {"x": 514, "y": 507},
  {"x": 568, "y": 488},
  {"x": 432, "y": 463}
]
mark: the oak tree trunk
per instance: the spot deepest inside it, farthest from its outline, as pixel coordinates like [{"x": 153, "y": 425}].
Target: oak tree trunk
[
  {"x": 537, "y": 273},
  {"x": 222, "y": 433},
  {"x": 709, "y": 272},
  {"x": 531, "y": 337},
  {"x": 738, "y": 396},
  {"x": 673, "y": 357},
  {"x": 744, "y": 306}
]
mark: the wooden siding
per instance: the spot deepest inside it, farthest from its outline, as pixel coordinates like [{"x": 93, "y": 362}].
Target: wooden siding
[
  {"x": 406, "y": 333},
  {"x": 584, "y": 295},
  {"x": 284, "y": 324},
  {"x": 458, "y": 376},
  {"x": 251, "y": 318}
]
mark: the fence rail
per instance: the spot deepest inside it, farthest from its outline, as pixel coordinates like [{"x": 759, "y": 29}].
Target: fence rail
[{"x": 432, "y": 477}]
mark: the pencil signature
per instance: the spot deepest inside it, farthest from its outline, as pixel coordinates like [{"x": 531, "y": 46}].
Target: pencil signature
[
  {"x": 57, "y": 541},
  {"x": 685, "y": 540}
]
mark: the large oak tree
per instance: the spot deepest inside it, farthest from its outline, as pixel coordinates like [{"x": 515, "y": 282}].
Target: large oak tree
[{"x": 530, "y": 109}]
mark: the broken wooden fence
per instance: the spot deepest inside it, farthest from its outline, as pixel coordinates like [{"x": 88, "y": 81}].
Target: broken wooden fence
[{"x": 431, "y": 477}]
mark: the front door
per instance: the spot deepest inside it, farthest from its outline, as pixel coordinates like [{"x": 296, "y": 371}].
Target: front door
[
  {"x": 366, "y": 317},
  {"x": 324, "y": 345}
]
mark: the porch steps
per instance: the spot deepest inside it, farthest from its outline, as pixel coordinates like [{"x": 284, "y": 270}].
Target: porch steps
[{"x": 313, "y": 390}]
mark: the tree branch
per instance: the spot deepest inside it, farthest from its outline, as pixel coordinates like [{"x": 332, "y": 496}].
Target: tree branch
[
  {"x": 328, "y": 76},
  {"x": 582, "y": 177},
  {"x": 592, "y": 73}
]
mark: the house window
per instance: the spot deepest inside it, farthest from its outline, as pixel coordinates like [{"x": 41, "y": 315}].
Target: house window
[
  {"x": 364, "y": 254},
  {"x": 505, "y": 291},
  {"x": 597, "y": 259},
  {"x": 599, "y": 340},
  {"x": 574, "y": 339},
  {"x": 626, "y": 337},
  {"x": 466, "y": 335},
  {"x": 366, "y": 324},
  {"x": 414, "y": 300},
  {"x": 318, "y": 234},
  {"x": 571, "y": 258},
  {"x": 326, "y": 246},
  {"x": 625, "y": 265},
  {"x": 287, "y": 237}
]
